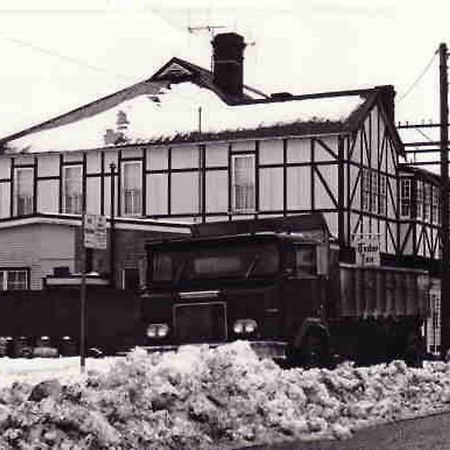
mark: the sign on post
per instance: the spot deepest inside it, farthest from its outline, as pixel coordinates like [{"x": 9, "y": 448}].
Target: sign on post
[
  {"x": 367, "y": 250},
  {"x": 95, "y": 232}
]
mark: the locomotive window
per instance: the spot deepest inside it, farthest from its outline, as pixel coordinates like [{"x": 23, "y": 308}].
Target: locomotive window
[{"x": 305, "y": 261}]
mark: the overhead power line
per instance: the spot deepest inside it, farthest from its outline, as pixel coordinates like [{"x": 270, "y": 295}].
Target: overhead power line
[
  {"x": 416, "y": 81},
  {"x": 64, "y": 57}
]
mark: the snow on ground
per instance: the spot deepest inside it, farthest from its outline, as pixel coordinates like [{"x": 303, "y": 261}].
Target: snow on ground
[
  {"x": 34, "y": 370},
  {"x": 175, "y": 112},
  {"x": 206, "y": 398}
]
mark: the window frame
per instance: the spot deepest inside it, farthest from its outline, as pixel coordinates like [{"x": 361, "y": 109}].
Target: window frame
[
  {"x": 435, "y": 205},
  {"x": 249, "y": 197},
  {"x": 30, "y": 198},
  {"x": 419, "y": 200},
  {"x": 5, "y": 280},
  {"x": 374, "y": 192},
  {"x": 427, "y": 202},
  {"x": 405, "y": 197},
  {"x": 135, "y": 208},
  {"x": 65, "y": 208},
  {"x": 366, "y": 204},
  {"x": 382, "y": 200}
]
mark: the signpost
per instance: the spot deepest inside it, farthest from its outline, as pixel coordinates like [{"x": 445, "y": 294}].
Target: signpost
[
  {"x": 93, "y": 236},
  {"x": 367, "y": 249}
]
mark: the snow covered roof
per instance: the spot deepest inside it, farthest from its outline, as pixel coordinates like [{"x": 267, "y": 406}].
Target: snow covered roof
[{"x": 180, "y": 103}]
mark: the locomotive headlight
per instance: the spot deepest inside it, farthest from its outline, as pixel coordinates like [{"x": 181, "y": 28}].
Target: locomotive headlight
[
  {"x": 244, "y": 326},
  {"x": 157, "y": 330}
]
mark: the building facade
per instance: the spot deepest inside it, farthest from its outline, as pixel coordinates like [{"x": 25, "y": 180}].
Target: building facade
[{"x": 190, "y": 145}]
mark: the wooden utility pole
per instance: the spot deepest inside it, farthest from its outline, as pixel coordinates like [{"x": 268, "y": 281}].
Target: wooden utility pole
[
  {"x": 83, "y": 288},
  {"x": 112, "y": 252},
  {"x": 444, "y": 200}
]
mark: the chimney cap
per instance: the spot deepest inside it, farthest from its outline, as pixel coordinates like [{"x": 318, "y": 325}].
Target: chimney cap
[{"x": 228, "y": 38}]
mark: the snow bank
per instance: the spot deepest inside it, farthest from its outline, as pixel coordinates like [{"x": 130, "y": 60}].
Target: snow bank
[
  {"x": 175, "y": 112},
  {"x": 205, "y": 398}
]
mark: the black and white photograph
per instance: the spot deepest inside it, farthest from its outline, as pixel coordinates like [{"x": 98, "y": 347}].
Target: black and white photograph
[{"x": 224, "y": 225}]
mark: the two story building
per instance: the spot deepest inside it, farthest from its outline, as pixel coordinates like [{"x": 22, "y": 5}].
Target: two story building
[{"x": 191, "y": 145}]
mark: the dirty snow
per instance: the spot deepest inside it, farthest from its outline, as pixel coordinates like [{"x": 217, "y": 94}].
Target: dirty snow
[
  {"x": 175, "y": 112},
  {"x": 205, "y": 398}
]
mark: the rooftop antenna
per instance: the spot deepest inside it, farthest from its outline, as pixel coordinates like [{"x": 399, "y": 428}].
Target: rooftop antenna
[{"x": 211, "y": 29}]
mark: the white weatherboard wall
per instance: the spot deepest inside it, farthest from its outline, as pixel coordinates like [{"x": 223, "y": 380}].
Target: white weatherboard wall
[{"x": 39, "y": 247}]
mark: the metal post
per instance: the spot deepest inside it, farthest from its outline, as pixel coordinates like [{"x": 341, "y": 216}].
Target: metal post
[
  {"x": 444, "y": 191},
  {"x": 83, "y": 290},
  {"x": 112, "y": 265}
]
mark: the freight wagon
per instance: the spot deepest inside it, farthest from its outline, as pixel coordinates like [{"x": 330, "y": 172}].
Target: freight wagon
[{"x": 278, "y": 283}]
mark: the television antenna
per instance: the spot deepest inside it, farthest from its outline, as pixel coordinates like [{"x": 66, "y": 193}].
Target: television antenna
[{"x": 209, "y": 28}]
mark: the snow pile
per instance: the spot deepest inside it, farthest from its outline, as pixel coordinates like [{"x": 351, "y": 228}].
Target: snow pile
[
  {"x": 202, "y": 398},
  {"x": 175, "y": 113}
]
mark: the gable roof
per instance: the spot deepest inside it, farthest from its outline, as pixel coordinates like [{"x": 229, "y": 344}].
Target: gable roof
[{"x": 181, "y": 103}]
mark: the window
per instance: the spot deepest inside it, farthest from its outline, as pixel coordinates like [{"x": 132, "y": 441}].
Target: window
[
  {"x": 374, "y": 205},
  {"x": 383, "y": 195},
  {"x": 405, "y": 197},
  {"x": 23, "y": 191},
  {"x": 243, "y": 183},
  {"x": 374, "y": 198},
  {"x": 241, "y": 260},
  {"x": 13, "y": 279},
  {"x": 72, "y": 190},
  {"x": 131, "y": 188},
  {"x": 426, "y": 202},
  {"x": 419, "y": 200},
  {"x": 366, "y": 181},
  {"x": 435, "y": 207}
]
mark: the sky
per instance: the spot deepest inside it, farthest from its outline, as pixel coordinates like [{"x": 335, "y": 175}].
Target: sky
[{"x": 61, "y": 54}]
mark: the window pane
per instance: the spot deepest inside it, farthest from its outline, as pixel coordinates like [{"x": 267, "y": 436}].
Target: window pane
[
  {"x": 16, "y": 280},
  {"x": 73, "y": 190},
  {"x": 244, "y": 182},
  {"x": 132, "y": 188},
  {"x": 24, "y": 191},
  {"x": 405, "y": 197}
]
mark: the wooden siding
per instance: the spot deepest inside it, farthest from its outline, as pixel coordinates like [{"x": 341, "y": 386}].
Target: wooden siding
[{"x": 38, "y": 248}]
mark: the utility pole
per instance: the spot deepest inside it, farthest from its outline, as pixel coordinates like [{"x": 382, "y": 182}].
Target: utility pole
[
  {"x": 83, "y": 287},
  {"x": 444, "y": 200},
  {"x": 112, "y": 253}
]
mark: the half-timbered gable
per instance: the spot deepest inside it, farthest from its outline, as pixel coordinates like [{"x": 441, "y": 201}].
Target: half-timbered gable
[{"x": 370, "y": 170}]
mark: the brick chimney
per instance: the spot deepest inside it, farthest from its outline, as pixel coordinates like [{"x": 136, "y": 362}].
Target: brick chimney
[{"x": 228, "y": 60}]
